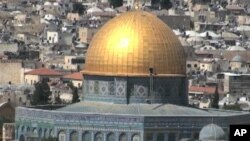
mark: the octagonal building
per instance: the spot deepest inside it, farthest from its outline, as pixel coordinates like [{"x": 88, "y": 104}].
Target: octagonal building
[{"x": 134, "y": 89}]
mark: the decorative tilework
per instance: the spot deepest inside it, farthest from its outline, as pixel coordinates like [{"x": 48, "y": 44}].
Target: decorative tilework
[
  {"x": 85, "y": 87},
  {"x": 141, "y": 90},
  {"x": 104, "y": 88},
  {"x": 111, "y": 88},
  {"x": 120, "y": 87},
  {"x": 91, "y": 86},
  {"x": 96, "y": 87},
  {"x": 114, "y": 89},
  {"x": 161, "y": 91}
]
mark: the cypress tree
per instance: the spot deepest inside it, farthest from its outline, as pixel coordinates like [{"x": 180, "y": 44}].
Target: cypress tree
[{"x": 215, "y": 101}]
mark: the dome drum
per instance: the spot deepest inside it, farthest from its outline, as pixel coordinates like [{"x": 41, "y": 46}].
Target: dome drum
[{"x": 124, "y": 90}]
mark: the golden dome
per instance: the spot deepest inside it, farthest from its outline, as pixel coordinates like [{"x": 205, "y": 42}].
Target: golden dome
[{"x": 130, "y": 44}]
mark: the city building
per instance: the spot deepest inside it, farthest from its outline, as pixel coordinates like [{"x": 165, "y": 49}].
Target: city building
[
  {"x": 36, "y": 75},
  {"x": 75, "y": 78},
  {"x": 11, "y": 71},
  {"x": 234, "y": 83},
  {"x": 135, "y": 89},
  {"x": 86, "y": 34},
  {"x": 8, "y": 132},
  {"x": 237, "y": 63},
  {"x": 7, "y": 114},
  {"x": 52, "y": 37},
  {"x": 73, "y": 62}
]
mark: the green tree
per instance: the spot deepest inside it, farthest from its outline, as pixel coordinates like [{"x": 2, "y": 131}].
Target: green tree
[
  {"x": 74, "y": 89},
  {"x": 116, "y": 3},
  {"x": 75, "y": 96},
  {"x": 165, "y": 4},
  {"x": 215, "y": 99},
  {"x": 41, "y": 93}
]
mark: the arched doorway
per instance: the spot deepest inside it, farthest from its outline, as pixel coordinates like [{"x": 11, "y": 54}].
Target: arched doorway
[
  {"x": 74, "y": 136},
  {"x": 111, "y": 137},
  {"x": 136, "y": 137},
  {"x": 40, "y": 132},
  {"x": 61, "y": 136},
  {"x": 86, "y": 136},
  {"x": 160, "y": 137},
  {"x": 17, "y": 132},
  {"x": 28, "y": 129},
  {"x": 51, "y": 133},
  {"x": 123, "y": 137},
  {"x": 45, "y": 133},
  {"x": 98, "y": 137},
  {"x": 22, "y": 138},
  {"x": 22, "y": 129}
]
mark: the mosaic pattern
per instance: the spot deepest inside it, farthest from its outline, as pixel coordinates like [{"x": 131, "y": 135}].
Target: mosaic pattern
[
  {"x": 103, "y": 88},
  {"x": 96, "y": 87},
  {"x": 115, "y": 89},
  {"x": 111, "y": 88},
  {"x": 131, "y": 126},
  {"x": 120, "y": 87},
  {"x": 91, "y": 87},
  {"x": 140, "y": 90}
]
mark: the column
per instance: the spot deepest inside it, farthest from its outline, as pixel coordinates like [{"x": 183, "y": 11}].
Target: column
[
  {"x": 104, "y": 136},
  {"x": 67, "y": 135},
  {"x": 55, "y": 132},
  {"x": 117, "y": 136},
  {"x": 166, "y": 137},
  {"x": 142, "y": 136},
  {"x": 80, "y": 135},
  {"x": 16, "y": 133},
  {"x": 129, "y": 136},
  {"x": 154, "y": 136},
  {"x": 92, "y": 136},
  {"x": 41, "y": 134},
  {"x": 177, "y": 137}
]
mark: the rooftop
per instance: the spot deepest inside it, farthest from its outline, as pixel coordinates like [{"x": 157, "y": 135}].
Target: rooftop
[
  {"x": 43, "y": 71},
  {"x": 207, "y": 90},
  {"x": 74, "y": 76},
  {"x": 142, "y": 109}
]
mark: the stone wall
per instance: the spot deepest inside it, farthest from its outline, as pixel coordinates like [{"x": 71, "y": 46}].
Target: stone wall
[{"x": 10, "y": 71}]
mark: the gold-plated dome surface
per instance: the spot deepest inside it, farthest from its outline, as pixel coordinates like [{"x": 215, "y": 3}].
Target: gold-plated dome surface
[{"x": 130, "y": 44}]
